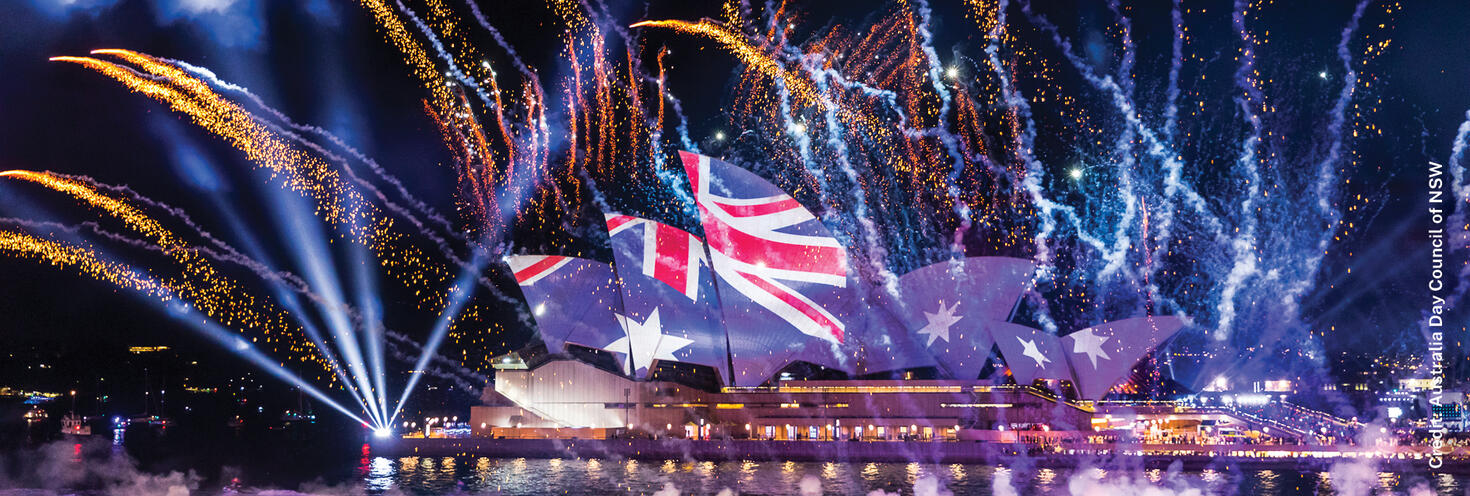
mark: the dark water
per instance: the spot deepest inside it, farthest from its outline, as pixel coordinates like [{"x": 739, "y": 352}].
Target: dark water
[
  {"x": 317, "y": 459},
  {"x": 425, "y": 475},
  {"x": 61, "y": 468}
]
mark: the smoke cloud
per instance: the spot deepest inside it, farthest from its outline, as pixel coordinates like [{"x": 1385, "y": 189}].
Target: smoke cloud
[{"x": 230, "y": 23}]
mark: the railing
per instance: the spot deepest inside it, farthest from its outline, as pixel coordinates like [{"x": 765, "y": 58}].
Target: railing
[{"x": 1252, "y": 418}]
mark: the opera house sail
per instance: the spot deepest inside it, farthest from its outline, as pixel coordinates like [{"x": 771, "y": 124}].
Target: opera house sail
[{"x": 711, "y": 324}]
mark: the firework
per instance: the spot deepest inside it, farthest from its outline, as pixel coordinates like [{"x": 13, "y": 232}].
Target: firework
[{"x": 1016, "y": 146}]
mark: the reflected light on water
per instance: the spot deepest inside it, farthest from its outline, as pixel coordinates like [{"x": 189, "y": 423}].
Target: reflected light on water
[
  {"x": 1448, "y": 484},
  {"x": 535, "y": 476},
  {"x": 446, "y": 468},
  {"x": 747, "y": 471},
  {"x": 1388, "y": 480},
  {"x": 1268, "y": 480},
  {"x": 482, "y": 470},
  {"x": 1046, "y": 477},
  {"x": 380, "y": 474}
]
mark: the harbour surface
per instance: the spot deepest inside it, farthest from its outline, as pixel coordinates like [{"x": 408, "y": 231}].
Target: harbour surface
[
  {"x": 1115, "y": 456},
  {"x": 335, "y": 459},
  {"x": 323, "y": 462},
  {"x": 437, "y": 475}
]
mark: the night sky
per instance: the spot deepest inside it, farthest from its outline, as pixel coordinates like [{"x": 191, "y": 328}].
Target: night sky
[{"x": 323, "y": 62}]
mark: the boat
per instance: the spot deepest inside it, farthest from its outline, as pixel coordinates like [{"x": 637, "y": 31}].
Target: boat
[
  {"x": 75, "y": 425},
  {"x": 146, "y": 418},
  {"x": 297, "y": 416},
  {"x": 35, "y": 415}
]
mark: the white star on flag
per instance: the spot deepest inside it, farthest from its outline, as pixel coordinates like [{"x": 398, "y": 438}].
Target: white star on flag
[
  {"x": 648, "y": 341},
  {"x": 1033, "y": 352},
  {"x": 940, "y": 322},
  {"x": 1090, "y": 344}
]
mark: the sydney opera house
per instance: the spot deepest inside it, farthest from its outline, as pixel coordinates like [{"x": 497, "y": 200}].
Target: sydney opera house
[{"x": 762, "y": 331}]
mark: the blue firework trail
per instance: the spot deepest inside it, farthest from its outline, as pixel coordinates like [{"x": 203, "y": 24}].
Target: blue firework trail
[{"x": 908, "y": 159}]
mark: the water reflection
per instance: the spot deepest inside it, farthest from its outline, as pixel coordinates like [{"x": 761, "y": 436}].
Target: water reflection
[
  {"x": 380, "y": 474},
  {"x": 1267, "y": 480},
  {"x": 594, "y": 468},
  {"x": 1448, "y": 484},
  {"x": 1388, "y": 480},
  {"x": 1046, "y": 477},
  {"x": 522, "y": 476}
]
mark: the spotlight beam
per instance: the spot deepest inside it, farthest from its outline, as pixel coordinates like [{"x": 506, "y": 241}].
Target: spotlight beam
[
  {"x": 370, "y": 311},
  {"x": 315, "y": 261},
  {"x": 290, "y": 302},
  {"x": 458, "y": 296}
]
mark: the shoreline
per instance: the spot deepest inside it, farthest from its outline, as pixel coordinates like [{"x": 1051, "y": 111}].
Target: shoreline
[{"x": 975, "y": 453}]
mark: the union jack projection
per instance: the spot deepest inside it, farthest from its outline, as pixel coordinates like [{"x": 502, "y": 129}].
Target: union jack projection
[
  {"x": 770, "y": 287},
  {"x": 574, "y": 300},
  {"x": 779, "y": 269},
  {"x": 669, "y": 307},
  {"x": 663, "y": 252}
]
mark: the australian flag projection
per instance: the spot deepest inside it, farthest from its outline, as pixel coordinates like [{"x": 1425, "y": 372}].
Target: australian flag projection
[
  {"x": 771, "y": 286},
  {"x": 670, "y": 311},
  {"x": 880, "y": 333},
  {"x": 574, "y": 300},
  {"x": 1103, "y": 354},
  {"x": 784, "y": 287},
  {"x": 950, "y": 306},
  {"x": 1030, "y": 353}
]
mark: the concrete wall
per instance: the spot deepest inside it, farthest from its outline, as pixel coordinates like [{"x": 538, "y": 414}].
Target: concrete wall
[
  {"x": 568, "y": 393},
  {"x": 572, "y": 394}
]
